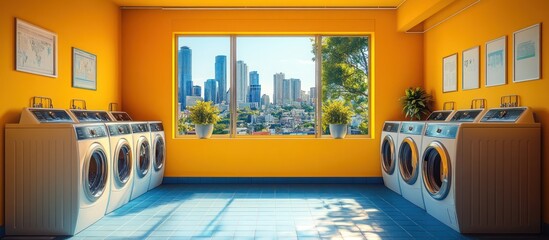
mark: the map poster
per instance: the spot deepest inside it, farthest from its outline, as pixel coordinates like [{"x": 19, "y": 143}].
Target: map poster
[
  {"x": 35, "y": 49},
  {"x": 84, "y": 69}
]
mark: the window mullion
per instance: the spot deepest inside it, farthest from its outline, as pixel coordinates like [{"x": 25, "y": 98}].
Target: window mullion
[
  {"x": 318, "y": 85},
  {"x": 232, "y": 92}
]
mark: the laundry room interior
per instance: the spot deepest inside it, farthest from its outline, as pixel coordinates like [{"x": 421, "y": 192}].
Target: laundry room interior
[{"x": 136, "y": 47}]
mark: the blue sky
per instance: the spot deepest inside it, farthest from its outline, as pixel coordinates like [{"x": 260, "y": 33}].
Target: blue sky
[{"x": 266, "y": 55}]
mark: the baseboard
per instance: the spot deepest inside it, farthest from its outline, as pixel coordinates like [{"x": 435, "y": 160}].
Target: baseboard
[
  {"x": 273, "y": 180},
  {"x": 2, "y": 231},
  {"x": 545, "y": 228}
]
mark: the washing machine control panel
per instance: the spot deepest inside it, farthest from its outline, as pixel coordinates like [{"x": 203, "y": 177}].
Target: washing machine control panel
[
  {"x": 156, "y": 127},
  {"x": 91, "y": 116},
  {"x": 439, "y": 115},
  {"x": 140, "y": 127},
  {"x": 466, "y": 115},
  {"x": 442, "y": 130},
  {"x": 503, "y": 115},
  {"x": 121, "y": 116},
  {"x": 51, "y": 116},
  {"x": 412, "y": 128},
  {"x": 391, "y": 127},
  {"x": 119, "y": 129},
  {"x": 89, "y": 132}
]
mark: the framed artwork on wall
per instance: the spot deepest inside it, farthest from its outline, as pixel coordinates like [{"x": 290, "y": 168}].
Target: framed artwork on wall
[
  {"x": 449, "y": 73},
  {"x": 84, "y": 69},
  {"x": 35, "y": 49},
  {"x": 470, "y": 68},
  {"x": 496, "y": 62},
  {"x": 526, "y": 54}
]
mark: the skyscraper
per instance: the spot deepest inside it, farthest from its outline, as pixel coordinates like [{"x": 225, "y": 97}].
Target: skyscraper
[
  {"x": 241, "y": 81},
  {"x": 197, "y": 91},
  {"x": 221, "y": 77},
  {"x": 185, "y": 75},
  {"x": 254, "y": 95},
  {"x": 286, "y": 91},
  {"x": 312, "y": 95},
  {"x": 210, "y": 90},
  {"x": 295, "y": 91},
  {"x": 278, "y": 79},
  {"x": 265, "y": 101}
]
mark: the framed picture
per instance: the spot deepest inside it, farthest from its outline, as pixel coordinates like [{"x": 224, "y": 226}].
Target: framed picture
[
  {"x": 496, "y": 62},
  {"x": 84, "y": 69},
  {"x": 449, "y": 73},
  {"x": 526, "y": 55},
  {"x": 470, "y": 68},
  {"x": 35, "y": 49}
]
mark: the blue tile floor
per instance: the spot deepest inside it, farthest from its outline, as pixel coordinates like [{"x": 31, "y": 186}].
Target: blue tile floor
[{"x": 264, "y": 211}]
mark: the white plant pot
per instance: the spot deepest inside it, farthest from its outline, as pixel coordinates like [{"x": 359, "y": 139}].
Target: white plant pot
[
  {"x": 338, "y": 131},
  {"x": 204, "y": 131}
]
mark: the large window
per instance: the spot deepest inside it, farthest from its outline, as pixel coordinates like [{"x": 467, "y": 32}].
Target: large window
[{"x": 276, "y": 79}]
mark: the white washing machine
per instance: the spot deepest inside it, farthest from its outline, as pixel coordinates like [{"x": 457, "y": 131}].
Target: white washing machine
[
  {"x": 142, "y": 154},
  {"x": 389, "y": 169},
  {"x": 440, "y": 115},
  {"x": 484, "y": 177},
  {"x": 158, "y": 140},
  {"x": 408, "y": 161},
  {"x": 122, "y": 162},
  {"x": 57, "y": 179},
  {"x": 120, "y": 116}
]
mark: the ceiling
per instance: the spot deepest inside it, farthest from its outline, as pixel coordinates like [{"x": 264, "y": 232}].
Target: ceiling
[{"x": 261, "y": 3}]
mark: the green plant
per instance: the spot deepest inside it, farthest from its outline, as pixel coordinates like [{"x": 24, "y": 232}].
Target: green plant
[
  {"x": 182, "y": 126},
  {"x": 415, "y": 104},
  {"x": 204, "y": 113},
  {"x": 336, "y": 112}
]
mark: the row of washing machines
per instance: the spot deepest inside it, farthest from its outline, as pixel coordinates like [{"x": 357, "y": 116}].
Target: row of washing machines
[
  {"x": 66, "y": 169},
  {"x": 475, "y": 170}
]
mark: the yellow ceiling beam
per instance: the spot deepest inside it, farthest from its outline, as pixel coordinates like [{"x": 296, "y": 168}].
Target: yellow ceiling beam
[{"x": 413, "y": 12}]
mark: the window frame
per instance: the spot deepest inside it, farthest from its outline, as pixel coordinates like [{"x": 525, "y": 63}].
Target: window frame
[{"x": 232, "y": 80}]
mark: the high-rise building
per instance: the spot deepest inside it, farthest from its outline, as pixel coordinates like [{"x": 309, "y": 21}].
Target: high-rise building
[
  {"x": 197, "y": 91},
  {"x": 221, "y": 77},
  {"x": 286, "y": 91},
  {"x": 278, "y": 79},
  {"x": 254, "y": 95},
  {"x": 265, "y": 101},
  {"x": 185, "y": 75},
  {"x": 241, "y": 81},
  {"x": 210, "y": 90},
  {"x": 295, "y": 91},
  {"x": 312, "y": 95}
]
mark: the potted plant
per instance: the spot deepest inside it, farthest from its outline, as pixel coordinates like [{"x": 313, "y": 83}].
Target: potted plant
[
  {"x": 415, "y": 103},
  {"x": 204, "y": 115},
  {"x": 337, "y": 115}
]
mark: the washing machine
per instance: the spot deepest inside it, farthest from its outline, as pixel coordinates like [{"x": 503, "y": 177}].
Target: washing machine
[
  {"x": 142, "y": 154},
  {"x": 158, "y": 153},
  {"x": 389, "y": 169},
  {"x": 408, "y": 161},
  {"x": 484, "y": 177},
  {"x": 57, "y": 179},
  {"x": 120, "y": 116},
  {"x": 122, "y": 162}
]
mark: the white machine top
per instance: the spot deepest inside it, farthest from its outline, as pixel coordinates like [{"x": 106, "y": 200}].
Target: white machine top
[
  {"x": 441, "y": 115},
  {"x": 468, "y": 115},
  {"x": 90, "y": 116},
  {"x": 509, "y": 115},
  {"x": 44, "y": 115}
]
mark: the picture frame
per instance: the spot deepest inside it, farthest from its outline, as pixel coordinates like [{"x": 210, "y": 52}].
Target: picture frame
[
  {"x": 470, "y": 68},
  {"x": 84, "y": 69},
  {"x": 449, "y": 73},
  {"x": 35, "y": 49},
  {"x": 496, "y": 62},
  {"x": 526, "y": 54}
]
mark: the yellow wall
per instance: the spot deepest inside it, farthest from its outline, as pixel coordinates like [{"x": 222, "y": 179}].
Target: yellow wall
[
  {"x": 91, "y": 25},
  {"x": 147, "y": 49},
  {"x": 487, "y": 20}
]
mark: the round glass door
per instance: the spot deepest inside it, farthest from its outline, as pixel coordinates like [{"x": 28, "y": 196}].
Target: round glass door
[
  {"x": 388, "y": 155},
  {"x": 123, "y": 163},
  {"x": 158, "y": 153},
  {"x": 95, "y": 172},
  {"x": 408, "y": 160},
  {"x": 436, "y": 170},
  {"x": 143, "y": 158}
]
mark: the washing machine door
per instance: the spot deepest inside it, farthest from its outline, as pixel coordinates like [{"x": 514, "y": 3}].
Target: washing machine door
[
  {"x": 143, "y": 157},
  {"x": 95, "y": 172},
  {"x": 159, "y": 152},
  {"x": 408, "y": 160},
  {"x": 122, "y": 163},
  {"x": 437, "y": 174},
  {"x": 388, "y": 154}
]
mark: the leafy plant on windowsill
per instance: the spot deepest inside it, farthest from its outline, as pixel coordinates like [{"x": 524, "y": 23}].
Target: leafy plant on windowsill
[
  {"x": 415, "y": 103},
  {"x": 204, "y": 113},
  {"x": 336, "y": 115}
]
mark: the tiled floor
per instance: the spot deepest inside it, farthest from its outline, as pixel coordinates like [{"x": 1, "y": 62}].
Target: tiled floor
[{"x": 227, "y": 211}]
